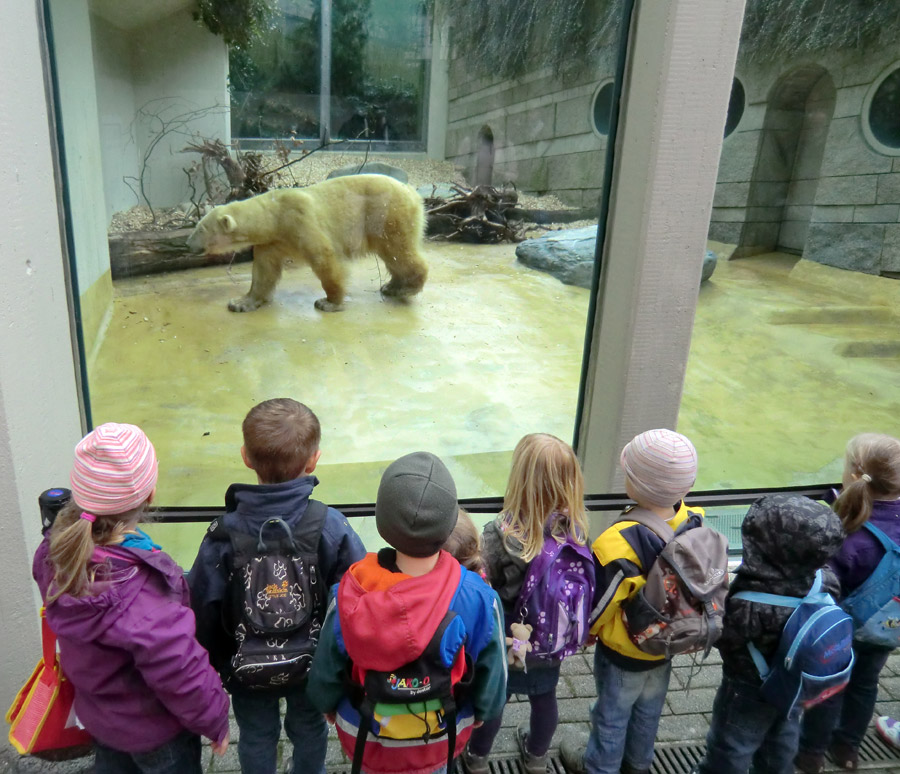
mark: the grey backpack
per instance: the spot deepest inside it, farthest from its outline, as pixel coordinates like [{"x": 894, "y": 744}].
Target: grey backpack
[{"x": 681, "y": 607}]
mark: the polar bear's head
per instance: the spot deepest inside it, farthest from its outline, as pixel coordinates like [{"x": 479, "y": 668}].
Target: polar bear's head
[{"x": 218, "y": 232}]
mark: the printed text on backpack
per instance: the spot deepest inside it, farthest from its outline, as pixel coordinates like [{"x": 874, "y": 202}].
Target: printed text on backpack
[
  {"x": 681, "y": 606},
  {"x": 276, "y": 600}
]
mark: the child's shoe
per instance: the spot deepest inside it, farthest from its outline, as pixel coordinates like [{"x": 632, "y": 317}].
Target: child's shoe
[
  {"x": 473, "y": 764},
  {"x": 571, "y": 755},
  {"x": 889, "y": 730},
  {"x": 845, "y": 756},
  {"x": 810, "y": 763},
  {"x": 533, "y": 764}
]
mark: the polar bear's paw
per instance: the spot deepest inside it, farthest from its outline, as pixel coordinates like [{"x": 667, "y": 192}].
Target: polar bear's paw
[
  {"x": 244, "y": 304},
  {"x": 395, "y": 289},
  {"x": 324, "y": 305}
]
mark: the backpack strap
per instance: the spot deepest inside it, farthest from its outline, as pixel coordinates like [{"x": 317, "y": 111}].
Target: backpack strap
[
  {"x": 308, "y": 531},
  {"x": 881, "y": 537},
  {"x": 651, "y": 521}
]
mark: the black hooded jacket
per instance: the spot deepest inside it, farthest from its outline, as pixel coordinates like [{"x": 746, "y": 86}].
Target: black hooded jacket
[{"x": 786, "y": 538}]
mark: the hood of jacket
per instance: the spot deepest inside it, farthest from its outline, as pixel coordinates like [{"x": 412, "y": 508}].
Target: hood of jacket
[
  {"x": 388, "y": 618},
  {"x": 123, "y": 573},
  {"x": 786, "y": 538},
  {"x": 249, "y": 506}
]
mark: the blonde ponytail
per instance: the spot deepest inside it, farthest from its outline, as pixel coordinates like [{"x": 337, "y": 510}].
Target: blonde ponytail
[
  {"x": 72, "y": 542},
  {"x": 873, "y": 464}
]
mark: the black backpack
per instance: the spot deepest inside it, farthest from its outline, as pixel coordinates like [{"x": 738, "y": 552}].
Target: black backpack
[{"x": 276, "y": 600}]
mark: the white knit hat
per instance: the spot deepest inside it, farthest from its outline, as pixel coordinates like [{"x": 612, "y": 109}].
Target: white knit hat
[
  {"x": 661, "y": 465},
  {"x": 115, "y": 469}
]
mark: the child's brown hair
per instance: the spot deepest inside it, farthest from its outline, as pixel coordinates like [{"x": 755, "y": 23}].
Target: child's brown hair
[
  {"x": 464, "y": 543},
  {"x": 280, "y": 437}
]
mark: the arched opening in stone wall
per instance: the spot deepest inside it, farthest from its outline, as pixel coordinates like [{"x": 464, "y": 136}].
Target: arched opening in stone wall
[
  {"x": 786, "y": 173},
  {"x": 484, "y": 159}
]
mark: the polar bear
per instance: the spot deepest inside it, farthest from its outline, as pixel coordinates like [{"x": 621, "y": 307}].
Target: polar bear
[{"x": 324, "y": 226}]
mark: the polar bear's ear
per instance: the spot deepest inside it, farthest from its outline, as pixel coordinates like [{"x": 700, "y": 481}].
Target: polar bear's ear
[{"x": 227, "y": 223}]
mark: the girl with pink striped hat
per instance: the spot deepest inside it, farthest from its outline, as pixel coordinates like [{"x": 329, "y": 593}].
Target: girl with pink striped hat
[{"x": 119, "y": 607}]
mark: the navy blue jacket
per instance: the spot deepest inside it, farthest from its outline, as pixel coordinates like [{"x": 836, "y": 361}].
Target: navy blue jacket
[{"x": 247, "y": 507}]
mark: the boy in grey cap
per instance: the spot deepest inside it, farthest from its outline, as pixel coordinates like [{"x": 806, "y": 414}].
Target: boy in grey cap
[{"x": 389, "y": 609}]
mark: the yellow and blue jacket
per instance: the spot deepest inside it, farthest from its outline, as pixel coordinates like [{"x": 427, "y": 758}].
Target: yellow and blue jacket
[{"x": 624, "y": 553}]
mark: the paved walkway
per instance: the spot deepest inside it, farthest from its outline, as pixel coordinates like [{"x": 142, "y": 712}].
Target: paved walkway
[{"x": 680, "y": 739}]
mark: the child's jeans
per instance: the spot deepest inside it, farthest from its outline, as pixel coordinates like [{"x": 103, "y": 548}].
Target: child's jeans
[
  {"x": 625, "y": 716},
  {"x": 259, "y": 723},
  {"x": 844, "y": 718},
  {"x": 180, "y": 756},
  {"x": 748, "y": 734}
]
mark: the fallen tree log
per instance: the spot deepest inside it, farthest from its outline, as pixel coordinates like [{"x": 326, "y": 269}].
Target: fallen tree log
[
  {"x": 136, "y": 253},
  {"x": 476, "y": 214}
]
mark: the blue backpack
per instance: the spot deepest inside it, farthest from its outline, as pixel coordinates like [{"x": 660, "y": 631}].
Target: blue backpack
[
  {"x": 556, "y": 598},
  {"x": 875, "y": 605},
  {"x": 815, "y": 653}
]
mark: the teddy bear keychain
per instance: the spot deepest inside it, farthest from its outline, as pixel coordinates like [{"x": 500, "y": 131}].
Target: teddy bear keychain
[{"x": 518, "y": 645}]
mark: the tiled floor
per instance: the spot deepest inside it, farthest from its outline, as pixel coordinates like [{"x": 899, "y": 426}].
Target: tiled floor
[{"x": 684, "y": 721}]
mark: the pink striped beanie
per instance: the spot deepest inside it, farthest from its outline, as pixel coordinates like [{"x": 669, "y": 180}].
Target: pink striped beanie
[
  {"x": 115, "y": 469},
  {"x": 662, "y": 467}
]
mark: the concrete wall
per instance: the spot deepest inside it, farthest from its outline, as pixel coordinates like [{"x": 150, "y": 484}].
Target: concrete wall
[
  {"x": 839, "y": 203},
  {"x": 543, "y": 140},
  {"x": 40, "y": 420},
  {"x": 179, "y": 68}
]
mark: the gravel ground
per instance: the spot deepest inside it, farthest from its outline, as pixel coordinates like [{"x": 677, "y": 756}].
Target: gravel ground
[{"x": 315, "y": 168}]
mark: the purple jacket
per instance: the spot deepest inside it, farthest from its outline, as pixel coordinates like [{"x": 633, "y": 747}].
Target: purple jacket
[
  {"x": 861, "y": 552},
  {"x": 139, "y": 674}
]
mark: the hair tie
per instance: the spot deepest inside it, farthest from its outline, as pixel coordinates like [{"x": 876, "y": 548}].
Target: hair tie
[
  {"x": 88, "y": 517},
  {"x": 866, "y": 477}
]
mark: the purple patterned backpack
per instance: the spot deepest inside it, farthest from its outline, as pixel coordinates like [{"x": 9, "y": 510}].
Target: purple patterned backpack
[{"x": 556, "y": 598}]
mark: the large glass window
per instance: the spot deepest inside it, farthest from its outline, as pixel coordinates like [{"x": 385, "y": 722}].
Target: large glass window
[
  {"x": 795, "y": 346},
  {"x": 484, "y": 109}
]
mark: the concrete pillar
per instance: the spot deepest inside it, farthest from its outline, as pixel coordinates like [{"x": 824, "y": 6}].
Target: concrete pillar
[
  {"x": 40, "y": 418},
  {"x": 678, "y": 79}
]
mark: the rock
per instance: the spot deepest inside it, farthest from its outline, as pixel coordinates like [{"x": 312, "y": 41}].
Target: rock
[
  {"x": 568, "y": 254},
  {"x": 436, "y": 191},
  {"x": 370, "y": 168},
  {"x": 709, "y": 265}
]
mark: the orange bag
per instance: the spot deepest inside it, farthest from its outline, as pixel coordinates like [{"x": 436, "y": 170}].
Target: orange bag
[{"x": 42, "y": 718}]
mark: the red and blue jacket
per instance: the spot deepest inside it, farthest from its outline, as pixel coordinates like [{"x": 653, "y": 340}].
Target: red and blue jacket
[{"x": 382, "y": 619}]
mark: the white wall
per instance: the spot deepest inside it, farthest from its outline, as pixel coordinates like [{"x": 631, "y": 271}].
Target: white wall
[
  {"x": 78, "y": 108},
  {"x": 112, "y": 52},
  {"x": 179, "y": 68},
  {"x": 40, "y": 422}
]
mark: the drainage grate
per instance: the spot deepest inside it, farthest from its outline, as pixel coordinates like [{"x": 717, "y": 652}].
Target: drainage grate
[{"x": 874, "y": 754}]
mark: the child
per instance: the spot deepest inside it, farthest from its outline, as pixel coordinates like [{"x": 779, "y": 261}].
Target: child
[
  {"x": 144, "y": 688},
  {"x": 660, "y": 469},
  {"x": 785, "y": 538},
  {"x": 871, "y": 492},
  {"x": 464, "y": 544},
  {"x": 544, "y": 497},
  {"x": 390, "y": 607},
  {"x": 281, "y": 445}
]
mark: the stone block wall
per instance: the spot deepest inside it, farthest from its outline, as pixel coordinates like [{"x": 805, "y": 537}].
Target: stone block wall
[
  {"x": 544, "y": 141},
  {"x": 835, "y": 198}
]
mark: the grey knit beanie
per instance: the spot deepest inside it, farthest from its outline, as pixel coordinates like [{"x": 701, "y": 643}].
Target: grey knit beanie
[
  {"x": 416, "y": 507},
  {"x": 662, "y": 467}
]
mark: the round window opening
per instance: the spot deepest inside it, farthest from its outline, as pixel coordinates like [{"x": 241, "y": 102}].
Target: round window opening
[
  {"x": 736, "y": 104},
  {"x": 603, "y": 102},
  {"x": 884, "y": 111}
]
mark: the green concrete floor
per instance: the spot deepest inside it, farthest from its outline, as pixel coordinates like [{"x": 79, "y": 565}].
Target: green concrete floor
[{"x": 489, "y": 351}]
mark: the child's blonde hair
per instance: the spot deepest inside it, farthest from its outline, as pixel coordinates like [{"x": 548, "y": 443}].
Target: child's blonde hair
[
  {"x": 874, "y": 460},
  {"x": 72, "y": 542},
  {"x": 464, "y": 543},
  {"x": 545, "y": 479}
]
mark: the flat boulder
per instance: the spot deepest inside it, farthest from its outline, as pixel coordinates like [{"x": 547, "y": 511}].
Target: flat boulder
[
  {"x": 568, "y": 254},
  {"x": 709, "y": 265},
  {"x": 437, "y": 191},
  {"x": 371, "y": 168}
]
